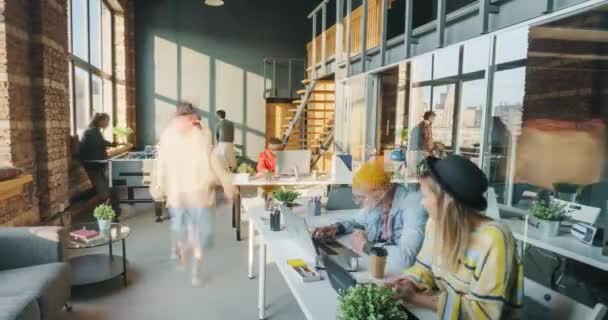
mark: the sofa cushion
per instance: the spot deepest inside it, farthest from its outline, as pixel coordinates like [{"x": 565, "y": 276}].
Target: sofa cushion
[
  {"x": 19, "y": 307},
  {"x": 49, "y": 283}
]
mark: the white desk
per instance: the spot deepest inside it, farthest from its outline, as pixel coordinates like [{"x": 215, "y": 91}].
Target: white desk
[
  {"x": 262, "y": 182},
  {"x": 565, "y": 244},
  {"x": 318, "y": 300}
]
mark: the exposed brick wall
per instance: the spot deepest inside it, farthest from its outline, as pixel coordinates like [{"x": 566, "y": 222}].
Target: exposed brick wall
[{"x": 35, "y": 100}]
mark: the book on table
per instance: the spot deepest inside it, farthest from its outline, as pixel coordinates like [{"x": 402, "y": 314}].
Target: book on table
[
  {"x": 84, "y": 233},
  {"x": 306, "y": 273}
]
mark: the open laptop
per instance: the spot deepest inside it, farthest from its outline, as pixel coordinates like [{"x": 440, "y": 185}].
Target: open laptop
[
  {"x": 300, "y": 231},
  {"x": 293, "y": 162}
]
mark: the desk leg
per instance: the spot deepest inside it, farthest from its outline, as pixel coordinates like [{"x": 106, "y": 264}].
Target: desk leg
[
  {"x": 158, "y": 211},
  {"x": 250, "y": 238},
  {"x": 237, "y": 214},
  {"x": 262, "y": 281}
]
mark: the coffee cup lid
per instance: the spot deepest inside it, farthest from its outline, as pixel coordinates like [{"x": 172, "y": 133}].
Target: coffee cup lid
[{"x": 379, "y": 251}]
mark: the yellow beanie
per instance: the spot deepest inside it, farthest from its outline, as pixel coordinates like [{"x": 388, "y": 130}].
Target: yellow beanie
[{"x": 371, "y": 176}]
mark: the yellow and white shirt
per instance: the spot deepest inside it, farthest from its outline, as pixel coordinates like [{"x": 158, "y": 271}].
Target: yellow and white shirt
[{"x": 487, "y": 283}]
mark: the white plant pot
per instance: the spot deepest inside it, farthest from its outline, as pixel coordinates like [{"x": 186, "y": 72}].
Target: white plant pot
[
  {"x": 242, "y": 177},
  {"x": 104, "y": 225},
  {"x": 546, "y": 228}
]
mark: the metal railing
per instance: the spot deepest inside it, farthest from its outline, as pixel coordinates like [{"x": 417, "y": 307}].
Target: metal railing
[
  {"x": 343, "y": 59},
  {"x": 282, "y": 76}
]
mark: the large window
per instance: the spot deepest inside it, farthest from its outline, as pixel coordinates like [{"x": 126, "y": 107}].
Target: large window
[{"x": 91, "y": 59}]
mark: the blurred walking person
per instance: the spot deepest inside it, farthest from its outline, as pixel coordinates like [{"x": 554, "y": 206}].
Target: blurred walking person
[
  {"x": 224, "y": 135},
  {"x": 186, "y": 175}
]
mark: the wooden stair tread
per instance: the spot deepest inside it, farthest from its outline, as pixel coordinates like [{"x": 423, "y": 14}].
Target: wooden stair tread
[
  {"x": 313, "y": 101},
  {"x": 314, "y": 110},
  {"x": 306, "y": 81},
  {"x": 317, "y": 91}
]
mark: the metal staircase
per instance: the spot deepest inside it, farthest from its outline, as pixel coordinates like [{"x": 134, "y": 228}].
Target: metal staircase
[{"x": 310, "y": 125}]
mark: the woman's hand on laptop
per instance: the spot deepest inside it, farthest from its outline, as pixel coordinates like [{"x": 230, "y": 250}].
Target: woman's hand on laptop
[{"x": 325, "y": 233}]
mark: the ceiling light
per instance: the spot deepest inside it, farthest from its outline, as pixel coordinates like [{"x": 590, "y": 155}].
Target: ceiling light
[{"x": 214, "y": 3}]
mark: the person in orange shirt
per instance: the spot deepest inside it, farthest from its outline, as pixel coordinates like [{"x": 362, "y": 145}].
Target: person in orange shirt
[{"x": 267, "y": 161}]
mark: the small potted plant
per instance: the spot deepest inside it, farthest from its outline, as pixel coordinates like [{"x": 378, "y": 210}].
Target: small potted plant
[
  {"x": 286, "y": 196},
  {"x": 365, "y": 302},
  {"x": 122, "y": 134},
  {"x": 104, "y": 215},
  {"x": 547, "y": 215},
  {"x": 244, "y": 171}
]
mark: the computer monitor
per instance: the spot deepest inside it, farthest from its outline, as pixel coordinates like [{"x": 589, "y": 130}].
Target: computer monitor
[{"x": 298, "y": 159}]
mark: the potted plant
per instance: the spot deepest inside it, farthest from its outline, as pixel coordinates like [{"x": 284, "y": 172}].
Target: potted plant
[
  {"x": 365, "y": 302},
  {"x": 104, "y": 215},
  {"x": 286, "y": 196},
  {"x": 547, "y": 215},
  {"x": 244, "y": 171},
  {"x": 122, "y": 134}
]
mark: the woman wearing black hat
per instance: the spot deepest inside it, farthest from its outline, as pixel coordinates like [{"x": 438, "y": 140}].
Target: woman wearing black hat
[{"x": 468, "y": 267}]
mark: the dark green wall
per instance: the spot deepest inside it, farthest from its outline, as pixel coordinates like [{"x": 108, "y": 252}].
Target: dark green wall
[{"x": 212, "y": 57}]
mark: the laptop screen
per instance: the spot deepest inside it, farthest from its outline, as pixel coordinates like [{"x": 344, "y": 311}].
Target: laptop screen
[{"x": 340, "y": 279}]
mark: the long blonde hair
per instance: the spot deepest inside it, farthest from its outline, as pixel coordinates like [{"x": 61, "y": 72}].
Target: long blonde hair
[{"x": 454, "y": 224}]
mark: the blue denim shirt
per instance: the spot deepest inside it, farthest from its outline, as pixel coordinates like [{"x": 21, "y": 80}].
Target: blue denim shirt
[{"x": 408, "y": 224}]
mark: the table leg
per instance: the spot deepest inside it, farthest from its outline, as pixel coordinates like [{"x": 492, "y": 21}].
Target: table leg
[
  {"x": 115, "y": 200},
  {"x": 124, "y": 263},
  {"x": 158, "y": 211},
  {"x": 262, "y": 281},
  {"x": 234, "y": 213},
  {"x": 250, "y": 238},
  {"x": 130, "y": 195},
  {"x": 237, "y": 215}
]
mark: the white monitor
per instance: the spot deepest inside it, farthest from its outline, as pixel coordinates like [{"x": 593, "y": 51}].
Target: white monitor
[
  {"x": 299, "y": 231},
  {"x": 299, "y": 160}
]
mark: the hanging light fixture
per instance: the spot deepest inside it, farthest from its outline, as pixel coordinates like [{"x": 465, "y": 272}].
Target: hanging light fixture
[{"x": 214, "y": 3}]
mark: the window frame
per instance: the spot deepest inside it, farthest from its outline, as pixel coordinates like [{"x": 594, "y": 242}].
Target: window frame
[{"x": 75, "y": 61}]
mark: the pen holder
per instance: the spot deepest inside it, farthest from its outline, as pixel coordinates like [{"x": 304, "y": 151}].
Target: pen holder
[
  {"x": 275, "y": 220},
  {"x": 314, "y": 208}
]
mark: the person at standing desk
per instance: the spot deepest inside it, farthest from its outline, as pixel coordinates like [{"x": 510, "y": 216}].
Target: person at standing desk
[
  {"x": 93, "y": 154},
  {"x": 267, "y": 163},
  {"x": 391, "y": 214},
  {"x": 224, "y": 135},
  {"x": 468, "y": 266},
  {"x": 420, "y": 143}
]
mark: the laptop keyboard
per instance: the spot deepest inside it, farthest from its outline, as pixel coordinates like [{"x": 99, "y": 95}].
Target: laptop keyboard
[{"x": 328, "y": 250}]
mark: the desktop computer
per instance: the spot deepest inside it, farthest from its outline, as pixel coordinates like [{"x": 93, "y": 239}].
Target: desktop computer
[{"x": 288, "y": 162}]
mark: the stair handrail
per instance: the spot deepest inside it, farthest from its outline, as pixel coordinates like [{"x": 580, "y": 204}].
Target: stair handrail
[
  {"x": 323, "y": 147},
  {"x": 309, "y": 89}
]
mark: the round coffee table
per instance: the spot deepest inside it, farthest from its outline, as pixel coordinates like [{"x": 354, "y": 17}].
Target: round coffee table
[{"x": 94, "y": 268}]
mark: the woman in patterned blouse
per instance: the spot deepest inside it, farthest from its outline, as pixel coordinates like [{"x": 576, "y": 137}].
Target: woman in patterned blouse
[{"x": 468, "y": 267}]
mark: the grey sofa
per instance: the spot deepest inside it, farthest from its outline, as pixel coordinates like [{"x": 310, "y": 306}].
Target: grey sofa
[{"x": 34, "y": 279}]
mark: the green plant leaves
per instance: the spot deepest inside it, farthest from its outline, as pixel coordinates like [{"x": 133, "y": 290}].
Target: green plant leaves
[
  {"x": 104, "y": 212},
  {"x": 370, "y": 302},
  {"x": 549, "y": 210},
  {"x": 286, "y": 195}
]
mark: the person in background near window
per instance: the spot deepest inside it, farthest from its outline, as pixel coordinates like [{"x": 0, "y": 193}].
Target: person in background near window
[
  {"x": 420, "y": 144},
  {"x": 267, "y": 161},
  {"x": 93, "y": 154},
  {"x": 468, "y": 267},
  {"x": 391, "y": 214},
  {"x": 187, "y": 172},
  {"x": 224, "y": 135}
]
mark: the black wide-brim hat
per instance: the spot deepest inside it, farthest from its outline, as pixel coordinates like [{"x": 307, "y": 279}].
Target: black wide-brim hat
[{"x": 461, "y": 179}]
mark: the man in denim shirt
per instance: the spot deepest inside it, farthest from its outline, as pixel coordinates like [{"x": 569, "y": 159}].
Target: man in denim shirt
[{"x": 390, "y": 214}]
